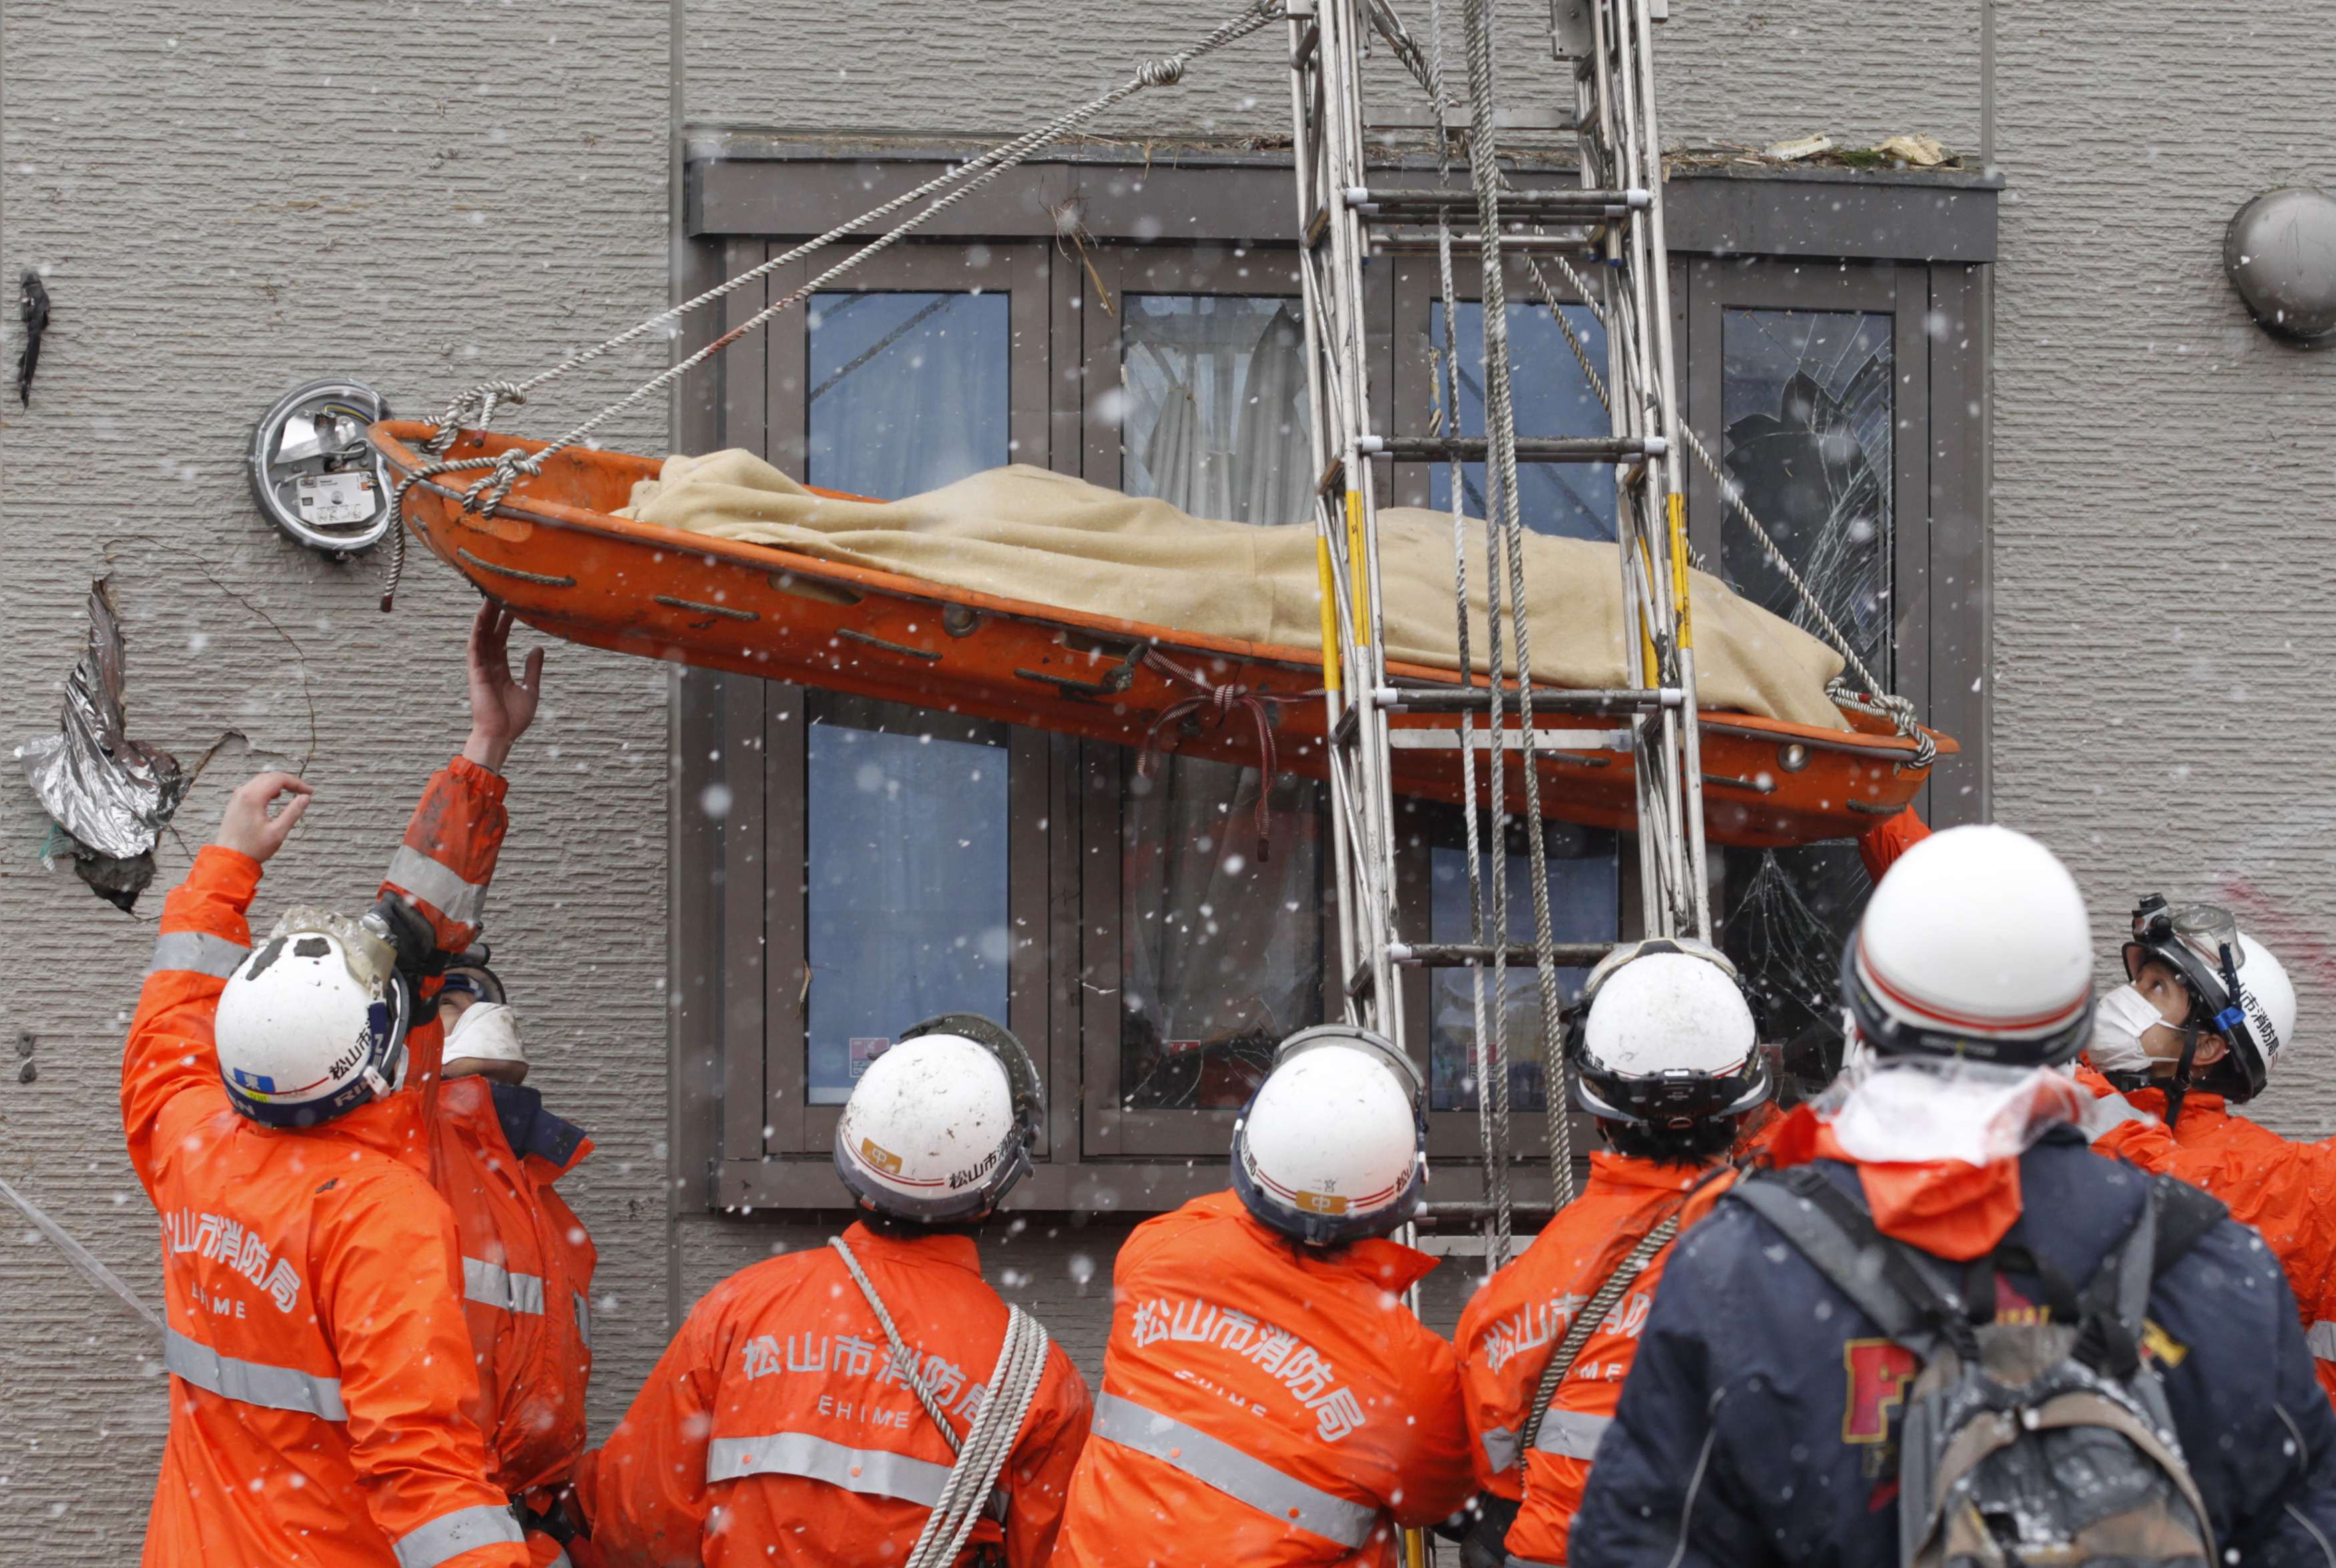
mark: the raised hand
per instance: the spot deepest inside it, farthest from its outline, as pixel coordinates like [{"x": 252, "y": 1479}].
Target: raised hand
[
  {"x": 247, "y": 828},
  {"x": 501, "y": 708}
]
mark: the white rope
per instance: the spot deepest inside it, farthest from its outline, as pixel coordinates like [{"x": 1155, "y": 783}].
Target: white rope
[
  {"x": 967, "y": 178},
  {"x": 80, "y": 1256},
  {"x": 1505, "y": 523},
  {"x": 1876, "y": 698},
  {"x": 1491, "y": 1045},
  {"x": 982, "y": 1453}
]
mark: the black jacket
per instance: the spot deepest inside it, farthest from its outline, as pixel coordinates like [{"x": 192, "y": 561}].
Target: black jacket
[{"x": 1760, "y": 1421}]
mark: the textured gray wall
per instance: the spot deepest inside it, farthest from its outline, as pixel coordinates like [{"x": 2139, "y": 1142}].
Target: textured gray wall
[
  {"x": 2162, "y": 568},
  {"x": 467, "y": 220},
  {"x": 227, "y": 200}
]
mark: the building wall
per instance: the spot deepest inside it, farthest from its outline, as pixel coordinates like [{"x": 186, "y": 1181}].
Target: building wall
[
  {"x": 230, "y": 199},
  {"x": 2161, "y": 558}
]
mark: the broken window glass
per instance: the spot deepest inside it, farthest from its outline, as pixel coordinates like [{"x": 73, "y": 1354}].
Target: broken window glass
[
  {"x": 906, "y": 810},
  {"x": 1221, "y": 949},
  {"x": 1807, "y": 400}
]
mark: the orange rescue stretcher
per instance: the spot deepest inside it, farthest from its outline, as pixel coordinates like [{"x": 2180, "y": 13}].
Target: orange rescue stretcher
[{"x": 553, "y": 551}]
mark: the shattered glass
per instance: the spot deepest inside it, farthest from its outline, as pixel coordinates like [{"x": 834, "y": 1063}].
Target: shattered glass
[{"x": 1807, "y": 398}]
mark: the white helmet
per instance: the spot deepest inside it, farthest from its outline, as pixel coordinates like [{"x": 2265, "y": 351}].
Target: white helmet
[
  {"x": 1976, "y": 944},
  {"x": 313, "y": 1024},
  {"x": 1663, "y": 1036},
  {"x": 941, "y": 1125},
  {"x": 2193, "y": 942},
  {"x": 1333, "y": 1145}
]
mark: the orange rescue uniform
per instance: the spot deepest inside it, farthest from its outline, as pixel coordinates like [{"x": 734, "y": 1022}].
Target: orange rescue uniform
[
  {"x": 1265, "y": 1404},
  {"x": 777, "y": 1427},
  {"x": 1517, "y": 1321},
  {"x": 2287, "y": 1191},
  {"x": 527, "y": 1267},
  {"x": 320, "y": 1370}
]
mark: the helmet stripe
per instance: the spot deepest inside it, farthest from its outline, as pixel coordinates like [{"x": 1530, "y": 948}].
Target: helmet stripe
[{"x": 2038, "y": 1023}]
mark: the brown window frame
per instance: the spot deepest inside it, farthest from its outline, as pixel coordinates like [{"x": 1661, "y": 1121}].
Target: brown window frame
[{"x": 737, "y": 957}]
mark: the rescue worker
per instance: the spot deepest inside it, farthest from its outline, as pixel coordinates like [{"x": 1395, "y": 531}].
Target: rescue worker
[
  {"x": 275, "y": 1104},
  {"x": 1762, "y": 1422},
  {"x": 783, "y": 1425},
  {"x": 527, "y": 1260},
  {"x": 1665, "y": 1055},
  {"x": 2183, "y": 1051},
  {"x": 1268, "y": 1400}
]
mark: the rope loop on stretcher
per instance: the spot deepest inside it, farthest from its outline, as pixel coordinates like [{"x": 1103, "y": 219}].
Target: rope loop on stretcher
[{"x": 1218, "y": 702}]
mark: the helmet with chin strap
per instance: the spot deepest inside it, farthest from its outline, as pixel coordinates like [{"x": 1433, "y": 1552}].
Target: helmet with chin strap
[
  {"x": 1976, "y": 945},
  {"x": 2237, "y": 991},
  {"x": 1663, "y": 1037},
  {"x": 1333, "y": 1147},
  {"x": 313, "y": 1024},
  {"x": 941, "y": 1125}
]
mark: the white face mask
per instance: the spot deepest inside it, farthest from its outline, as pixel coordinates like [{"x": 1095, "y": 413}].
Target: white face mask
[
  {"x": 485, "y": 1031},
  {"x": 2123, "y": 1017}
]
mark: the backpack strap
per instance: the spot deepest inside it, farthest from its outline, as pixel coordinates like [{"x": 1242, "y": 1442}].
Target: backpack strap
[
  {"x": 1834, "y": 1233},
  {"x": 2184, "y": 1216}
]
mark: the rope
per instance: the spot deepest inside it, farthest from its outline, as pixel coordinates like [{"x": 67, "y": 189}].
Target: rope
[
  {"x": 1577, "y": 1333},
  {"x": 983, "y": 1451},
  {"x": 967, "y": 178},
  {"x": 1900, "y": 711},
  {"x": 1490, "y": 1046},
  {"x": 1221, "y": 701},
  {"x": 1506, "y": 523}
]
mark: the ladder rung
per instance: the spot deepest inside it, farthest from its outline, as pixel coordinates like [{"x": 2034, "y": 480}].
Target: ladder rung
[
  {"x": 1546, "y": 699},
  {"x": 1464, "y": 955},
  {"x": 1410, "y": 204},
  {"x": 1545, "y": 740},
  {"x": 1530, "y": 449}
]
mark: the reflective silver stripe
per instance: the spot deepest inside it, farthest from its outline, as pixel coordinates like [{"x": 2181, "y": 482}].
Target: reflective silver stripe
[
  {"x": 1513, "y": 1560},
  {"x": 2321, "y": 1338},
  {"x": 252, "y": 1382},
  {"x": 1501, "y": 1449},
  {"x": 198, "y": 953},
  {"x": 452, "y": 1534},
  {"x": 870, "y": 1470},
  {"x": 491, "y": 1285},
  {"x": 425, "y": 878},
  {"x": 1239, "y": 1475},
  {"x": 584, "y": 1320},
  {"x": 560, "y": 1559},
  {"x": 1570, "y": 1434}
]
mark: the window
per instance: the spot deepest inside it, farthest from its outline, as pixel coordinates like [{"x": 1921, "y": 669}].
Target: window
[{"x": 1152, "y": 924}]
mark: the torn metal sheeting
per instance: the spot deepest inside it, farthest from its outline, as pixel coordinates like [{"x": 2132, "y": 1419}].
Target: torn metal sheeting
[{"x": 112, "y": 794}]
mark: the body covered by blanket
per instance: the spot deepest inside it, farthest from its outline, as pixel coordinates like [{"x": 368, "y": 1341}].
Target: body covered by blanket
[{"x": 1025, "y": 533}]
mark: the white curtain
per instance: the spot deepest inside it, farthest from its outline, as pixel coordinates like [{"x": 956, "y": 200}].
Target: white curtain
[{"x": 1222, "y": 949}]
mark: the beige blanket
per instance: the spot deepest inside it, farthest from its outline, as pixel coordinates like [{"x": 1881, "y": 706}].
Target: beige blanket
[{"x": 1025, "y": 533}]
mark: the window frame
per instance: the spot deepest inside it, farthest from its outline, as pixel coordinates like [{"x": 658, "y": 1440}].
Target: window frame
[
  {"x": 736, "y": 957},
  {"x": 1110, "y": 1128}
]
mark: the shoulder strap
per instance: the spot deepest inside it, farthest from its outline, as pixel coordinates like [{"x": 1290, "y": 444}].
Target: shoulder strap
[
  {"x": 1601, "y": 1302},
  {"x": 2184, "y": 1216},
  {"x": 1829, "y": 1228},
  {"x": 903, "y": 1357}
]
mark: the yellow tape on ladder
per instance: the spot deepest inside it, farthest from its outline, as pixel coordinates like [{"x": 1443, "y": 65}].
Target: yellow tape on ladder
[
  {"x": 1678, "y": 569},
  {"x": 1330, "y": 676},
  {"x": 1359, "y": 579}
]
